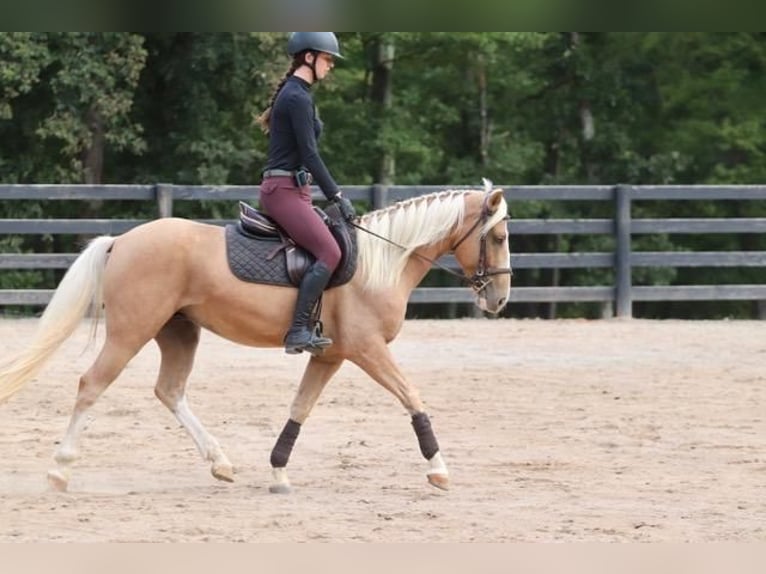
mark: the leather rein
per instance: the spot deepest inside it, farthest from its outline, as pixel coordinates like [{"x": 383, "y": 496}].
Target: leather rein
[{"x": 483, "y": 274}]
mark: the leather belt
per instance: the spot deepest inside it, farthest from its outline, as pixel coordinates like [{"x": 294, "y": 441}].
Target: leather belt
[{"x": 278, "y": 173}]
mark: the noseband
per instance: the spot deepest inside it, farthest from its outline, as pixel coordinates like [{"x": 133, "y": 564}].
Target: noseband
[{"x": 483, "y": 274}]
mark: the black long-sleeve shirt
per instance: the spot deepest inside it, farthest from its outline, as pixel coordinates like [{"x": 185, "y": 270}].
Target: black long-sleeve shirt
[{"x": 293, "y": 133}]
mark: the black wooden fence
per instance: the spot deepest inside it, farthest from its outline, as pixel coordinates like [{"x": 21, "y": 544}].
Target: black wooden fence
[{"x": 621, "y": 226}]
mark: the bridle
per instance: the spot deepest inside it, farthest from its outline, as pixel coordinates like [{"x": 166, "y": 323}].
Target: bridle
[{"x": 483, "y": 275}]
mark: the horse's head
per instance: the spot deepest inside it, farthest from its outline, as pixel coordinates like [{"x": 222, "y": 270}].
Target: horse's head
[{"x": 481, "y": 247}]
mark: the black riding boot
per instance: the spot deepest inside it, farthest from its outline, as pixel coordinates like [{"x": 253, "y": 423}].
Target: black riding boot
[{"x": 300, "y": 337}]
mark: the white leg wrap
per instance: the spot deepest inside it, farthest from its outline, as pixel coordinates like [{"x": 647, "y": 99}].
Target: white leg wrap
[
  {"x": 280, "y": 476},
  {"x": 437, "y": 465},
  {"x": 281, "y": 484}
]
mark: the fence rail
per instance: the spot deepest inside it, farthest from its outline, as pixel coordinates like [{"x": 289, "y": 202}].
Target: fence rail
[{"x": 621, "y": 227}]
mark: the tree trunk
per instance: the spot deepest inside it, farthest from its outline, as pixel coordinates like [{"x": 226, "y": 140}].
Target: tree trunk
[
  {"x": 382, "y": 96},
  {"x": 485, "y": 126},
  {"x": 93, "y": 156},
  {"x": 93, "y": 166}
]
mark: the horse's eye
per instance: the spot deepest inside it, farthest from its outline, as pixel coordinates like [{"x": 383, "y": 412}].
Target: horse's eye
[{"x": 500, "y": 239}]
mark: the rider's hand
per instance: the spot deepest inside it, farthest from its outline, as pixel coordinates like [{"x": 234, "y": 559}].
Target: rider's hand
[{"x": 346, "y": 207}]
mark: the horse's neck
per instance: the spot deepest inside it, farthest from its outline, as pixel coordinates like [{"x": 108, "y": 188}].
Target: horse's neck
[{"x": 420, "y": 264}]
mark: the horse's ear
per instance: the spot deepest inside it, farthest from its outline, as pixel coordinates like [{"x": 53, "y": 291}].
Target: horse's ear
[
  {"x": 494, "y": 200},
  {"x": 494, "y": 196}
]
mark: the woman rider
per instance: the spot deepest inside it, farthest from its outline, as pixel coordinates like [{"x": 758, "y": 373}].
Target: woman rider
[{"x": 293, "y": 127}]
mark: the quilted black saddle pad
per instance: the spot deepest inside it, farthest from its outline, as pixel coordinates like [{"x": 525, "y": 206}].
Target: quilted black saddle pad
[{"x": 278, "y": 261}]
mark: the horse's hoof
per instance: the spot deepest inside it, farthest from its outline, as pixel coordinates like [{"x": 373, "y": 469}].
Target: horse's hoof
[
  {"x": 280, "y": 489},
  {"x": 57, "y": 481},
  {"x": 440, "y": 481},
  {"x": 224, "y": 472}
]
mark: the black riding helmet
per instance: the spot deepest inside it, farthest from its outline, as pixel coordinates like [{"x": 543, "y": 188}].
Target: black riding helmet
[{"x": 314, "y": 41}]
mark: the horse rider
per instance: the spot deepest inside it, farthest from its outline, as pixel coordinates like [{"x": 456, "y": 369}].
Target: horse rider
[{"x": 293, "y": 127}]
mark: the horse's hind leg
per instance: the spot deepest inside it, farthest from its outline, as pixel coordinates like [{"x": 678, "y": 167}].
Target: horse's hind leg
[
  {"x": 108, "y": 365},
  {"x": 178, "y": 341}
]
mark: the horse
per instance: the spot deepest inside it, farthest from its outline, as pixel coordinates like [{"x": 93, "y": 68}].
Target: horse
[{"x": 168, "y": 278}]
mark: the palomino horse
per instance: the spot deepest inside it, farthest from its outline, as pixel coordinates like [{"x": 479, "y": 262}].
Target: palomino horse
[{"x": 168, "y": 278}]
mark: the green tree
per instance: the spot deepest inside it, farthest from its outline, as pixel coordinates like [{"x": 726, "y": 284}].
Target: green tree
[
  {"x": 197, "y": 100},
  {"x": 92, "y": 80}
]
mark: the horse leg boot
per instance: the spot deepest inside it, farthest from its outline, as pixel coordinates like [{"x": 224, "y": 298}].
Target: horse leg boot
[{"x": 300, "y": 337}]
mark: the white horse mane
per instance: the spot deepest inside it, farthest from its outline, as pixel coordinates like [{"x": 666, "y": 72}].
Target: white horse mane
[{"x": 413, "y": 223}]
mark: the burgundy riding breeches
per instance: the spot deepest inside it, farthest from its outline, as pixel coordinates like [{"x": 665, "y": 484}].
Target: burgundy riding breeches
[{"x": 291, "y": 207}]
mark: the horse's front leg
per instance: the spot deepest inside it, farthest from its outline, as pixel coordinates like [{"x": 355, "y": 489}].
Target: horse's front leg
[
  {"x": 318, "y": 372},
  {"x": 380, "y": 365}
]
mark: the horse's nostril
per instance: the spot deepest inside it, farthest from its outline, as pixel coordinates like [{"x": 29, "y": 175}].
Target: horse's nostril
[{"x": 501, "y": 302}]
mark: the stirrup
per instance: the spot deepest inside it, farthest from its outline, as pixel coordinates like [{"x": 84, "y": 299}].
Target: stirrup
[
  {"x": 315, "y": 343},
  {"x": 314, "y": 346}
]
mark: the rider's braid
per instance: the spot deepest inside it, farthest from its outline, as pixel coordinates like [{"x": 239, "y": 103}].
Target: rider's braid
[{"x": 265, "y": 118}]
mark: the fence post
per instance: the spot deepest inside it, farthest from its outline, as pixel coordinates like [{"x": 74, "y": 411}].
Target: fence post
[
  {"x": 622, "y": 264},
  {"x": 164, "y": 199},
  {"x": 379, "y": 196}
]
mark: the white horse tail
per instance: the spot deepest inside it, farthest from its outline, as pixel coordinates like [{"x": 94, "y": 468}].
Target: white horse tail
[{"x": 80, "y": 290}]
